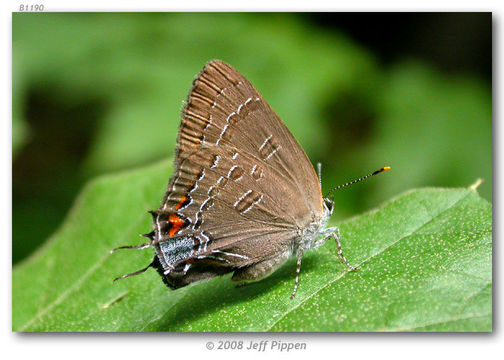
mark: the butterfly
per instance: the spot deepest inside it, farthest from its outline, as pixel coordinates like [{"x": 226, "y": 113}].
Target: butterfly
[{"x": 243, "y": 197}]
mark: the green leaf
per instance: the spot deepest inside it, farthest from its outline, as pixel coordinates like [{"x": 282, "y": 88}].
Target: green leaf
[{"x": 424, "y": 258}]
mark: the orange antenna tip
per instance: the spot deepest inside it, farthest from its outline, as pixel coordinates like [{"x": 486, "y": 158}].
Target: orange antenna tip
[
  {"x": 358, "y": 180},
  {"x": 385, "y": 168}
]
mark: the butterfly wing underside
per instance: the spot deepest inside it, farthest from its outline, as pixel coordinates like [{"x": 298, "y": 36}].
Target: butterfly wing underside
[{"x": 242, "y": 185}]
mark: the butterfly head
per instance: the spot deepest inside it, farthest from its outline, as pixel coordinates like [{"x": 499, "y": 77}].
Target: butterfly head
[{"x": 328, "y": 206}]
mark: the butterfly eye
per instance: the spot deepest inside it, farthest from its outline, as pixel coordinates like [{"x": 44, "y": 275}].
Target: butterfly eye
[{"x": 329, "y": 205}]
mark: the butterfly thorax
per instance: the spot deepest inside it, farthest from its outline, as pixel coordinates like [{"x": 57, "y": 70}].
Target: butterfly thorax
[{"x": 309, "y": 234}]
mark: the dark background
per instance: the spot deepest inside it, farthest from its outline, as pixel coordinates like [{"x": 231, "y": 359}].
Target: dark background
[{"x": 99, "y": 93}]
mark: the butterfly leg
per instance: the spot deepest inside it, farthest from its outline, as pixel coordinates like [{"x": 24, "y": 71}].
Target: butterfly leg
[
  {"x": 298, "y": 269},
  {"x": 335, "y": 234}
]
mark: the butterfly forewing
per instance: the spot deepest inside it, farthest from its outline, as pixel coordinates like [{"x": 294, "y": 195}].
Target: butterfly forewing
[{"x": 224, "y": 109}]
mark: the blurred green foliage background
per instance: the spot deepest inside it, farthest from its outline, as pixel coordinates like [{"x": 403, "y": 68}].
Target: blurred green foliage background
[{"x": 94, "y": 93}]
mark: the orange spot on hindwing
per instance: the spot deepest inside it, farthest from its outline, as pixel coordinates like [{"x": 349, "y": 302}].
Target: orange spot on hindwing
[
  {"x": 176, "y": 223},
  {"x": 183, "y": 201}
]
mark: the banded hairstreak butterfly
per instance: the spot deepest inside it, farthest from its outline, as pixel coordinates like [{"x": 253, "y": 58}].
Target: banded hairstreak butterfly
[{"x": 243, "y": 197}]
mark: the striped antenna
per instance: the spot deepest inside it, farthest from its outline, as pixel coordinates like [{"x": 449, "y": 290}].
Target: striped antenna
[
  {"x": 358, "y": 180},
  {"x": 319, "y": 170}
]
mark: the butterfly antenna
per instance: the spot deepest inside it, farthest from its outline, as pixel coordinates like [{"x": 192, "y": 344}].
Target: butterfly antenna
[
  {"x": 358, "y": 180},
  {"x": 319, "y": 170}
]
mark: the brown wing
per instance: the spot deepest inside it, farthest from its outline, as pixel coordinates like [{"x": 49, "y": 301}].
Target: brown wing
[
  {"x": 242, "y": 185},
  {"x": 231, "y": 200},
  {"x": 223, "y": 108}
]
